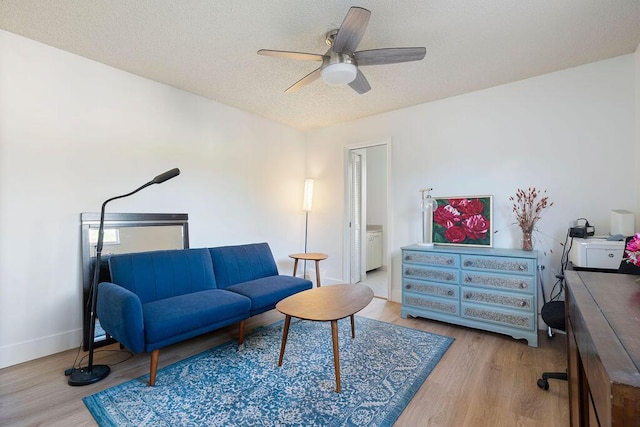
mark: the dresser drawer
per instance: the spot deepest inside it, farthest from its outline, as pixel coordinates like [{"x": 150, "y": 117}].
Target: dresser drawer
[
  {"x": 443, "y": 275},
  {"x": 428, "y": 258},
  {"x": 525, "y": 284},
  {"x": 506, "y": 265},
  {"x": 509, "y": 318},
  {"x": 502, "y": 299},
  {"x": 430, "y": 303},
  {"x": 429, "y": 288}
]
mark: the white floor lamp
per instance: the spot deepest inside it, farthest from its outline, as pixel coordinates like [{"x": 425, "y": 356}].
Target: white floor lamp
[{"x": 307, "y": 201}]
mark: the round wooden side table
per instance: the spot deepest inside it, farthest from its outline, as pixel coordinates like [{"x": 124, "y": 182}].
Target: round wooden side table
[{"x": 309, "y": 256}]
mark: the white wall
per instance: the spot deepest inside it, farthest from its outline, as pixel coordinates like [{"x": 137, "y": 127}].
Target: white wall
[
  {"x": 571, "y": 132},
  {"x": 74, "y": 132}
]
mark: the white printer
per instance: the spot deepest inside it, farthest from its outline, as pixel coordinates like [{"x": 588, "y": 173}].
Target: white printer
[{"x": 596, "y": 252}]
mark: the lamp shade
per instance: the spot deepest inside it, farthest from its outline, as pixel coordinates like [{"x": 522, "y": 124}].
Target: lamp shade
[
  {"x": 308, "y": 195},
  {"x": 339, "y": 73}
]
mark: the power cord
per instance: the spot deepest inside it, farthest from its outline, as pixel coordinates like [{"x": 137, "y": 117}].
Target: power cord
[
  {"x": 564, "y": 259},
  {"x": 78, "y": 364},
  {"x": 125, "y": 351},
  {"x": 558, "y": 286},
  {"x": 72, "y": 369}
]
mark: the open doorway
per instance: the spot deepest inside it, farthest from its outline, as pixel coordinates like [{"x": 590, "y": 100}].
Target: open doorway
[{"x": 367, "y": 231}]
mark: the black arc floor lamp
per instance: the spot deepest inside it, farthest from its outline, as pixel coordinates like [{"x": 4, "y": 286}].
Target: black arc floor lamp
[{"x": 94, "y": 373}]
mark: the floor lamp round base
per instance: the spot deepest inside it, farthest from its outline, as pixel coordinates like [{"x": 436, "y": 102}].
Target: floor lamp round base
[
  {"x": 85, "y": 377},
  {"x": 425, "y": 245}
]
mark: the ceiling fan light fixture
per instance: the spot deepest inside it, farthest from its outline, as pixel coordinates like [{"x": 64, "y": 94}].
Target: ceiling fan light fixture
[
  {"x": 340, "y": 63},
  {"x": 339, "y": 73}
]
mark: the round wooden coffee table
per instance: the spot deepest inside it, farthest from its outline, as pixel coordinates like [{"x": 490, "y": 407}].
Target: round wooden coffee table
[{"x": 328, "y": 304}]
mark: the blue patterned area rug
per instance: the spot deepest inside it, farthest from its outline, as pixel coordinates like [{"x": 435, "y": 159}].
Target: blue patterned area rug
[{"x": 231, "y": 385}]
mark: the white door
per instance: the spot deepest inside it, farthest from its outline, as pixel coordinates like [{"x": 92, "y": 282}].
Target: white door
[{"x": 356, "y": 215}]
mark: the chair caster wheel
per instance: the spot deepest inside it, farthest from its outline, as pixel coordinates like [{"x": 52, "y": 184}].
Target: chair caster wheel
[{"x": 543, "y": 384}]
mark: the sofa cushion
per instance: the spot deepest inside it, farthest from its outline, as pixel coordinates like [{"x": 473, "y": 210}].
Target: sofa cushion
[
  {"x": 163, "y": 274},
  {"x": 190, "y": 313},
  {"x": 242, "y": 263},
  {"x": 267, "y": 291}
]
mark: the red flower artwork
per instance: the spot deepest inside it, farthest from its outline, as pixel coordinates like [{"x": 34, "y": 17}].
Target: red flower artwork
[{"x": 463, "y": 221}]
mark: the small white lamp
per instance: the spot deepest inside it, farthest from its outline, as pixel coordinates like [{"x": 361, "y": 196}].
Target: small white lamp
[{"x": 428, "y": 206}]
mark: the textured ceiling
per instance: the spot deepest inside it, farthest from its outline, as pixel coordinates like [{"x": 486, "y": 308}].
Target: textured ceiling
[{"x": 209, "y": 47}]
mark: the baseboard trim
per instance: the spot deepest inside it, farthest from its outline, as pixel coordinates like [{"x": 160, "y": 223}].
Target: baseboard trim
[{"x": 26, "y": 351}]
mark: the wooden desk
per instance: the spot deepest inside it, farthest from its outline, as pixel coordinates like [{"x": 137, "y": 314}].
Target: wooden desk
[
  {"x": 309, "y": 256},
  {"x": 603, "y": 348}
]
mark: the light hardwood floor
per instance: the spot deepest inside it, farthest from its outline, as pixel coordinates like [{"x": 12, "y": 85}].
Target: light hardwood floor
[{"x": 484, "y": 379}]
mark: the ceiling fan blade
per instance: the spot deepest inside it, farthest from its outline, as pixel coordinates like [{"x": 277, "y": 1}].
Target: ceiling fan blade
[
  {"x": 312, "y": 76},
  {"x": 291, "y": 55},
  {"x": 390, "y": 55},
  {"x": 360, "y": 84},
  {"x": 351, "y": 31}
]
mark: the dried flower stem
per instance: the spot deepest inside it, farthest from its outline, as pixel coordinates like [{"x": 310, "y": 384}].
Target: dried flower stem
[{"x": 528, "y": 208}]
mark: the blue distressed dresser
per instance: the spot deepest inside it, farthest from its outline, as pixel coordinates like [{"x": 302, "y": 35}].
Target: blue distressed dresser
[{"x": 490, "y": 289}]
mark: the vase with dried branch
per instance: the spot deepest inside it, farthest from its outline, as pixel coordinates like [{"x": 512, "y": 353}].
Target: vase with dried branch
[{"x": 528, "y": 206}]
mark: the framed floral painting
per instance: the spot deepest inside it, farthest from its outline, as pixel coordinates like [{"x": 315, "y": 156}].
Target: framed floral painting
[{"x": 463, "y": 221}]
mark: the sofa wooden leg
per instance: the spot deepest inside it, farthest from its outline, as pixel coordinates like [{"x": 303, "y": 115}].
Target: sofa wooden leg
[
  {"x": 241, "y": 335},
  {"x": 154, "y": 366}
]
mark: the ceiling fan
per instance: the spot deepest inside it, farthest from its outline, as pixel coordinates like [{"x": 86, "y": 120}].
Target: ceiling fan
[{"x": 340, "y": 63}]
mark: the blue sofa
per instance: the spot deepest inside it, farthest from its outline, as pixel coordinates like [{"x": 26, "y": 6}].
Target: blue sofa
[{"x": 159, "y": 298}]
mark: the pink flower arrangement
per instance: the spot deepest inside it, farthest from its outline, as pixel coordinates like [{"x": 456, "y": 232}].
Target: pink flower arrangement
[
  {"x": 460, "y": 220},
  {"x": 633, "y": 250}
]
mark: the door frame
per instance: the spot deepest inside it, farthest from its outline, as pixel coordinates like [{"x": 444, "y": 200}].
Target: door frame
[{"x": 346, "y": 263}]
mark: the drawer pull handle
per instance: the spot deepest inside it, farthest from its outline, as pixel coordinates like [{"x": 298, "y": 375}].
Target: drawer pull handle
[
  {"x": 523, "y": 304},
  {"x": 467, "y": 263},
  {"x": 449, "y": 261},
  {"x": 522, "y": 267},
  {"x": 467, "y": 296},
  {"x": 408, "y": 287},
  {"x": 467, "y": 279},
  {"x": 611, "y": 255},
  {"x": 523, "y": 285},
  {"x": 450, "y": 292}
]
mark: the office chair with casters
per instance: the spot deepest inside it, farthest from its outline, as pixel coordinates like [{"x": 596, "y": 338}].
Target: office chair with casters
[{"x": 553, "y": 315}]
